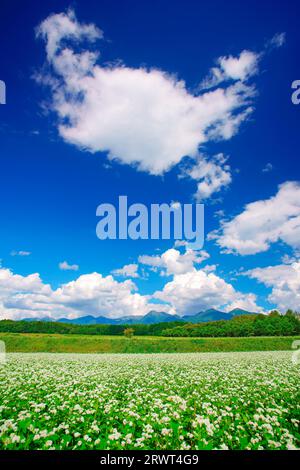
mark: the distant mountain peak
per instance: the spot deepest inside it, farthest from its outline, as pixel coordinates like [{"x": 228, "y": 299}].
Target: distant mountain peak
[
  {"x": 240, "y": 311},
  {"x": 149, "y": 318}
]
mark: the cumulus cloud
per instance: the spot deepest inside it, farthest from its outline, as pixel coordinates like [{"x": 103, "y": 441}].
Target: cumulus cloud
[
  {"x": 173, "y": 262},
  {"x": 14, "y": 287},
  {"x": 211, "y": 175},
  {"x": 242, "y": 67},
  {"x": 129, "y": 270},
  {"x": 246, "y": 302},
  {"x": 93, "y": 294},
  {"x": 198, "y": 290},
  {"x": 65, "y": 266},
  {"x": 145, "y": 117},
  {"x": 189, "y": 291},
  {"x": 263, "y": 223},
  {"x": 284, "y": 279},
  {"x": 101, "y": 295},
  {"x": 10, "y": 282},
  {"x": 232, "y": 68}
]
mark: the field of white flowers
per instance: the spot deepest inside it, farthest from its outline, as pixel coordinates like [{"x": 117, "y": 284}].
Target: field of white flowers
[{"x": 163, "y": 401}]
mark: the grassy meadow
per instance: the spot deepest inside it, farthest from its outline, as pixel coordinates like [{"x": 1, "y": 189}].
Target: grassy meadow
[{"x": 60, "y": 343}]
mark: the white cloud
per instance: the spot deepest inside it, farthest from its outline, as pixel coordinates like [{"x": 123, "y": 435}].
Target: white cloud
[
  {"x": 263, "y": 223},
  {"x": 209, "y": 268},
  {"x": 192, "y": 290},
  {"x": 129, "y": 270},
  {"x": 173, "y": 262},
  {"x": 232, "y": 68},
  {"x": 140, "y": 116},
  {"x": 65, "y": 266},
  {"x": 90, "y": 294},
  {"x": 240, "y": 68},
  {"x": 246, "y": 302},
  {"x": 195, "y": 291},
  {"x": 267, "y": 168},
  {"x": 101, "y": 295},
  {"x": 219, "y": 213},
  {"x": 10, "y": 282},
  {"x": 175, "y": 205},
  {"x": 277, "y": 40},
  {"x": 179, "y": 243},
  {"x": 14, "y": 287},
  {"x": 288, "y": 259},
  {"x": 61, "y": 26},
  {"x": 150, "y": 260},
  {"x": 211, "y": 175},
  {"x": 188, "y": 292},
  {"x": 284, "y": 280},
  {"x": 20, "y": 253}
]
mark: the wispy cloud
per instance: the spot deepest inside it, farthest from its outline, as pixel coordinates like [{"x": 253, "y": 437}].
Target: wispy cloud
[
  {"x": 241, "y": 68},
  {"x": 211, "y": 175},
  {"x": 65, "y": 266},
  {"x": 129, "y": 270},
  {"x": 267, "y": 168},
  {"x": 20, "y": 253},
  {"x": 278, "y": 40}
]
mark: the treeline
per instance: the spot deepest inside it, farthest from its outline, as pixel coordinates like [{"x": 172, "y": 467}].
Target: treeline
[
  {"x": 273, "y": 324},
  {"x": 10, "y": 326}
]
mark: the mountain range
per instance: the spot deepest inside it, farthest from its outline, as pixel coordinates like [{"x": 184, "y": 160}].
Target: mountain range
[{"x": 150, "y": 318}]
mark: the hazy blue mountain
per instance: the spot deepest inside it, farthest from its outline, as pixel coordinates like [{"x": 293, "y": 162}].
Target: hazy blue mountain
[
  {"x": 214, "y": 315},
  {"x": 129, "y": 320},
  {"x": 49, "y": 319},
  {"x": 239, "y": 311},
  {"x": 87, "y": 320},
  {"x": 158, "y": 317},
  {"x": 207, "y": 315},
  {"x": 150, "y": 318}
]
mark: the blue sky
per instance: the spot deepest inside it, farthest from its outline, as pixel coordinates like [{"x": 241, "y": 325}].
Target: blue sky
[{"x": 199, "y": 94}]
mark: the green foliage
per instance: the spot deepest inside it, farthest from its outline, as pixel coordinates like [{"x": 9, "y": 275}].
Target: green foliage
[
  {"x": 10, "y": 326},
  {"x": 273, "y": 324},
  {"x": 274, "y": 313},
  {"x": 66, "y": 343},
  {"x": 243, "y": 325}
]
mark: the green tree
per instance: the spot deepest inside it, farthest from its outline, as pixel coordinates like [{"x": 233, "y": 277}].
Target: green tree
[
  {"x": 289, "y": 313},
  {"x": 129, "y": 332},
  {"x": 274, "y": 313}
]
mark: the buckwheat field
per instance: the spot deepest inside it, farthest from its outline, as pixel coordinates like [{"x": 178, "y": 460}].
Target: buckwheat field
[{"x": 163, "y": 401}]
